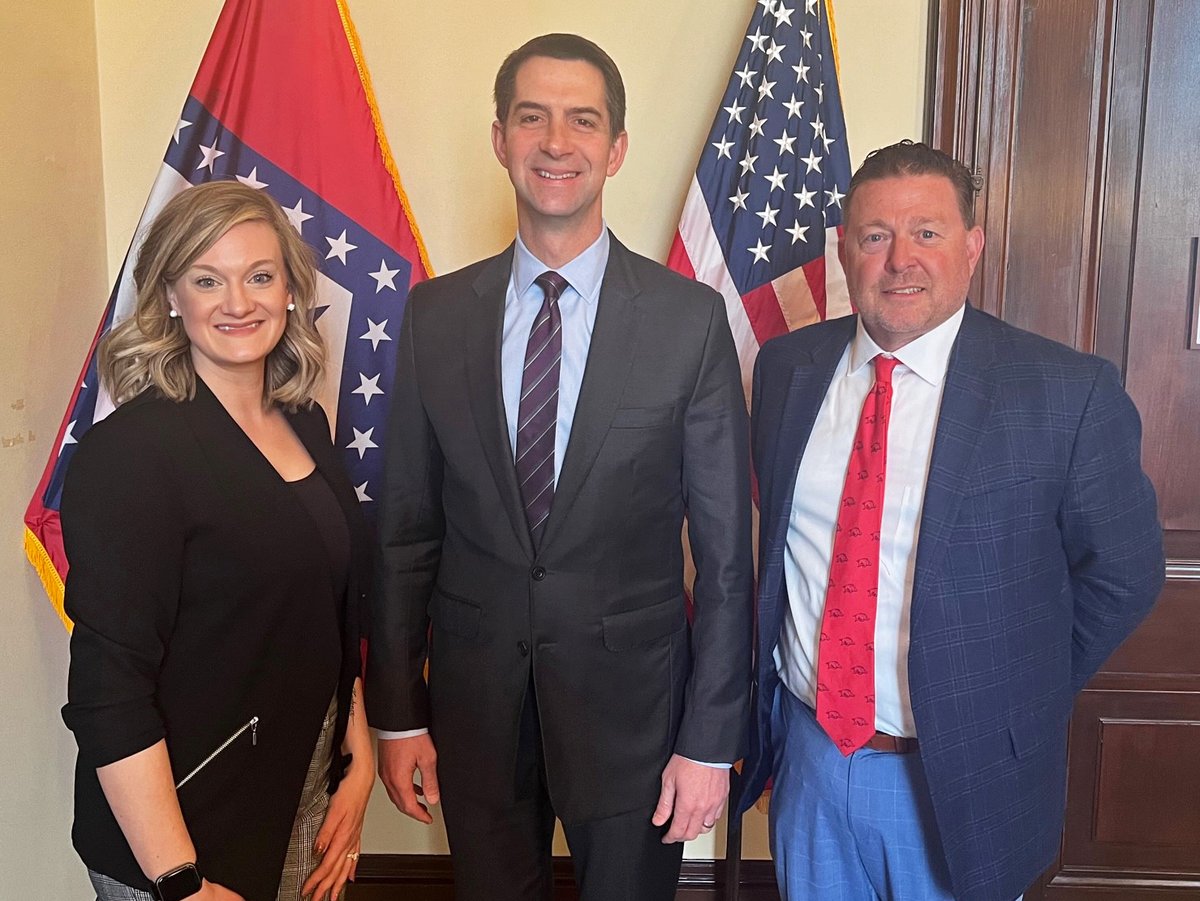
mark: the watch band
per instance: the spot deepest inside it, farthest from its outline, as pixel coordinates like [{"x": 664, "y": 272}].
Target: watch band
[{"x": 178, "y": 884}]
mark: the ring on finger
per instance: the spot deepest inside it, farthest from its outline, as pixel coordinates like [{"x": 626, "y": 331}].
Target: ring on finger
[
  {"x": 353, "y": 855},
  {"x": 709, "y": 825}
]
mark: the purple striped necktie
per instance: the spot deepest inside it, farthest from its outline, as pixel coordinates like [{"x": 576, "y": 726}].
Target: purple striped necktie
[{"x": 537, "y": 413}]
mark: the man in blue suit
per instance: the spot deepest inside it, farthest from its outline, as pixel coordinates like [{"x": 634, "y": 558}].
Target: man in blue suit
[{"x": 920, "y": 647}]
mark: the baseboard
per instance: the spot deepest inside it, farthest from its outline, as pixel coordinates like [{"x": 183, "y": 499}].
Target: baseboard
[{"x": 428, "y": 877}]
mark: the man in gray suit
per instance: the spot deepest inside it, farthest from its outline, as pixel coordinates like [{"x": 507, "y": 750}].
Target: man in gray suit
[{"x": 559, "y": 409}]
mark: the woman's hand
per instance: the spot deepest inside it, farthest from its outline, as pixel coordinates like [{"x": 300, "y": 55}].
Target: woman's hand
[
  {"x": 340, "y": 837},
  {"x": 210, "y": 891}
]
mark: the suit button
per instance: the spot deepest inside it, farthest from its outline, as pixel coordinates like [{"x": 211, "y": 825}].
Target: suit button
[
  {"x": 538, "y": 573},
  {"x": 523, "y": 647}
]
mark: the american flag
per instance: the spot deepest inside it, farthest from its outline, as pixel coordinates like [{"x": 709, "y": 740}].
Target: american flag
[
  {"x": 282, "y": 102},
  {"x": 762, "y": 219}
]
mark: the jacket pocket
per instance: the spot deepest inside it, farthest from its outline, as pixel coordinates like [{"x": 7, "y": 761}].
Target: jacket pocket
[
  {"x": 643, "y": 417},
  {"x": 634, "y": 628},
  {"x": 454, "y": 615},
  {"x": 251, "y": 726}
]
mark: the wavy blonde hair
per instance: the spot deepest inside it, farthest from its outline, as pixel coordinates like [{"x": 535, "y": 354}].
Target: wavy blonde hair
[{"x": 151, "y": 350}]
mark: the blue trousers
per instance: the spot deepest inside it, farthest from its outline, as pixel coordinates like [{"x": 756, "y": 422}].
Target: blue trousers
[{"x": 855, "y": 828}]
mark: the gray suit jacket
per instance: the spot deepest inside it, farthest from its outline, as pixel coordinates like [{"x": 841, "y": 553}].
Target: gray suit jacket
[{"x": 597, "y": 614}]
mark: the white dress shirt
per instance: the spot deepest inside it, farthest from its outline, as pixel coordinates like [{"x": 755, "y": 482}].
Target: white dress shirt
[{"x": 916, "y": 399}]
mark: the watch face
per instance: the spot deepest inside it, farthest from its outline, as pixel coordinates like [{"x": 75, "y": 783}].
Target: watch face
[{"x": 180, "y": 883}]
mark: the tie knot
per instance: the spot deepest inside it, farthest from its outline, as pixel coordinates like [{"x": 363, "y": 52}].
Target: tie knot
[
  {"x": 552, "y": 284},
  {"x": 883, "y": 368}
]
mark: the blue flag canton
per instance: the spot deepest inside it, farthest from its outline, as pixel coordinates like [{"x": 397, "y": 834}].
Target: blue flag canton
[
  {"x": 373, "y": 279},
  {"x": 776, "y": 166}
]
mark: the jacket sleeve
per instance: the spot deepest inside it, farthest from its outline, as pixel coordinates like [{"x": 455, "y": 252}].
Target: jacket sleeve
[
  {"x": 124, "y": 534},
  {"x": 1110, "y": 529},
  {"x": 716, "y": 493},
  {"x": 411, "y": 528}
]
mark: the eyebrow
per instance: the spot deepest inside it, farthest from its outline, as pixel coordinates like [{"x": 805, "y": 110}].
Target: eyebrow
[
  {"x": 542, "y": 108},
  {"x": 265, "y": 261}
]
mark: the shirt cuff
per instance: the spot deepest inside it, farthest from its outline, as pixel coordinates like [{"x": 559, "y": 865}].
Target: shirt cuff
[
  {"x": 715, "y": 766},
  {"x": 407, "y": 733}
]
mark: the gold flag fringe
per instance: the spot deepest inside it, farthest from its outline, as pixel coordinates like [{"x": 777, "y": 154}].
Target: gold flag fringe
[{"x": 51, "y": 580}]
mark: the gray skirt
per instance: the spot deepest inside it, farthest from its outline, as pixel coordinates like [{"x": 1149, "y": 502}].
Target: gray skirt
[{"x": 300, "y": 860}]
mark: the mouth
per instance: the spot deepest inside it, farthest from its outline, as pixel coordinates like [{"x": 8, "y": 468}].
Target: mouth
[
  {"x": 555, "y": 176},
  {"x": 906, "y": 291},
  {"x": 240, "y": 328}
]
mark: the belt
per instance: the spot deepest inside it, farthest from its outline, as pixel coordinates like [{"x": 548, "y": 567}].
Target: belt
[{"x": 894, "y": 744}]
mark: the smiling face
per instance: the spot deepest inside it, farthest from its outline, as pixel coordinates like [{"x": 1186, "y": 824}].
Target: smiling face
[
  {"x": 232, "y": 301},
  {"x": 908, "y": 256},
  {"x": 556, "y": 144}
]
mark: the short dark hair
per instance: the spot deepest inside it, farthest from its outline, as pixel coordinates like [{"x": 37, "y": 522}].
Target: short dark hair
[
  {"x": 566, "y": 47},
  {"x": 914, "y": 158}
]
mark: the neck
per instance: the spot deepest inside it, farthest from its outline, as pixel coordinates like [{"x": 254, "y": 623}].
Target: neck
[
  {"x": 240, "y": 392},
  {"x": 557, "y": 248}
]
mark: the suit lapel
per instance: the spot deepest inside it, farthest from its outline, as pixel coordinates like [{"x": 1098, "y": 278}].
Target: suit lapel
[
  {"x": 967, "y": 401},
  {"x": 483, "y": 332},
  {"x": 610, "y": 357}
]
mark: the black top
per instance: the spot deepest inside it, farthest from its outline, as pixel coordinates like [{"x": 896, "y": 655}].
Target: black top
[
  {"x": 200, "y": 590},
  {"x": 318, "y": 498}
]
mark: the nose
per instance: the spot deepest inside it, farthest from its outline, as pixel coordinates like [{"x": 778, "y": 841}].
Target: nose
[
  {"x": 237, "y": 302},
  {"x": 556, "y": 139},
  {"x": 900, "y": 255}
]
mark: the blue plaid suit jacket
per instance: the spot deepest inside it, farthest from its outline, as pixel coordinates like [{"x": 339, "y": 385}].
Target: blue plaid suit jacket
[{"x": 1039, "y": 552}]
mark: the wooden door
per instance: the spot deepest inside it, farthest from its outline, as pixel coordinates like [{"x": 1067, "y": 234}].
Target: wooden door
[{"x": 1083, "y": 119}]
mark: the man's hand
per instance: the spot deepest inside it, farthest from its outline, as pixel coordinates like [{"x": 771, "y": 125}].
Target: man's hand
[
  {"x": 210, "y": 891},
  {"x": 693, "y": 798},
  {"x": 399, "y": 759}
]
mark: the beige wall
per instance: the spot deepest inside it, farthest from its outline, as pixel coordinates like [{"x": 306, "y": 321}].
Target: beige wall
[
  {"x": 89, "y": 135},
  {"x": 52, "y": 210}
]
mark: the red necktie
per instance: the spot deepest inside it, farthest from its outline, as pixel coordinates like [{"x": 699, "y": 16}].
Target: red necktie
[{"x": 846, "y": 659}]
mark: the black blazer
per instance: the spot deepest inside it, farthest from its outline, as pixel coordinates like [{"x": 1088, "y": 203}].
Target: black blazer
[
  {"x": 598, "y": 613},
  {"x": 200, "y": 591}
]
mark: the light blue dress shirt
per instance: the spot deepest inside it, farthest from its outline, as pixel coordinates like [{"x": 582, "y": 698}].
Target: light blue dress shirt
[{"x": 577, "y": 307}]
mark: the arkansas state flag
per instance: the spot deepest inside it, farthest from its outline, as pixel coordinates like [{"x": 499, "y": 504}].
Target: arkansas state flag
[{"x": 283, "y": 103}]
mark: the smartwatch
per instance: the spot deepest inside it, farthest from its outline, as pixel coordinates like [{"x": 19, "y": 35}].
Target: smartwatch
[{"x": 178, "y": 884}]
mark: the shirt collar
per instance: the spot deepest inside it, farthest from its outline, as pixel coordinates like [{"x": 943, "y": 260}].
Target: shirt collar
[
  {"x": 584, "y": 273},
  {"x": 928, "y": 356}
]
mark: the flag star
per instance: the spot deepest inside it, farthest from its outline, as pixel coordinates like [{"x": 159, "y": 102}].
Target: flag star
[
  {"x": 251, "y": 180},
  {"x": 797, "y": 231},
  {"x": 68, "y": 437},
  {"x": 820, "y": 92},
  {"x": 368, "y": 388},
  {"x": 757, "y": 39},
  {"x": 739, "y": 200},
  {"x": 723, "y": 148},
  {"x": 826, "y": 140},
  {"x": 745, "y": 75},
  {"x": 767, "y": 5},
  {"x": 810, "y": 7},
  {"x": 767, "y": 215},
  {"x": 735, "y": 113},
  {"x": 801, "y": 72},
  {"x": 776, "y": 178},
  {"x": 793, "y": 107},
  {"x": 297, "y": 216},
  {"x": 785, "y": 142},
  {"x": 760, "y": 251},
  {"x": 756, "y": 126},
  {"x": 361, "y": 491},
  {"x": 818, "y": 126},
  {"x": 805, "y": 197},
  {"x": 210, "y": 156},
  {"x": 812, "y": 161},
  {"x": 180, "y": 126},
  {"x": 775, "y": 52},
  {"x": 362, "y": 441},
  {"x": 764, "y": 89},
  {"x": 375, "y": 333},
  {"x": 783, "y": 16},
  {"x": 748, "y": 162},
  {"x": 807, "y": 35},
  {"x": 384, "y": 276},
  {"x": 835, "y": 198},
  {"x": 339, "y": 247}
]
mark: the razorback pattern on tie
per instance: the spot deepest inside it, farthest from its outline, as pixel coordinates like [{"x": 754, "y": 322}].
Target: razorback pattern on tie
[
  {"x": 537, "y": 412},
  {"x": 846, "y": 655}
]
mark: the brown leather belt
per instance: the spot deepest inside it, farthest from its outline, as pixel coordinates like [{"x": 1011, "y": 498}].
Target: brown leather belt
[{"x": 894, "y": 744}]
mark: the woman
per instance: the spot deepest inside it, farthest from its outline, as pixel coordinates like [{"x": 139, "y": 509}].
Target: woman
[{"x": 218, "y": 562}]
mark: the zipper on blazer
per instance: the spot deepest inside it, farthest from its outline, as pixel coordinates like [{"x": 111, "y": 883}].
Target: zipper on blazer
[{"x": 251, "y": 724}]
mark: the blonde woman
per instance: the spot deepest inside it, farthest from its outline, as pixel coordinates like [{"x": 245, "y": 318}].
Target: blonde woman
[{"x": 218, "y": 561}]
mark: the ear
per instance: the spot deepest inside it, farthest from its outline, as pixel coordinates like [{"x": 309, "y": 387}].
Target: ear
[
  {"x": 975, "y": 243},
  {"x": 172, "y": 299},
  {"x": 616, "y": 153},
  {"x": 498, "y": 147}
]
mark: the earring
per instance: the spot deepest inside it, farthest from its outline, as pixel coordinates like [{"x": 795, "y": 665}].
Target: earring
[
  {"x": 291, "y": 307},
  {"x": 174, "y": 314}
]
